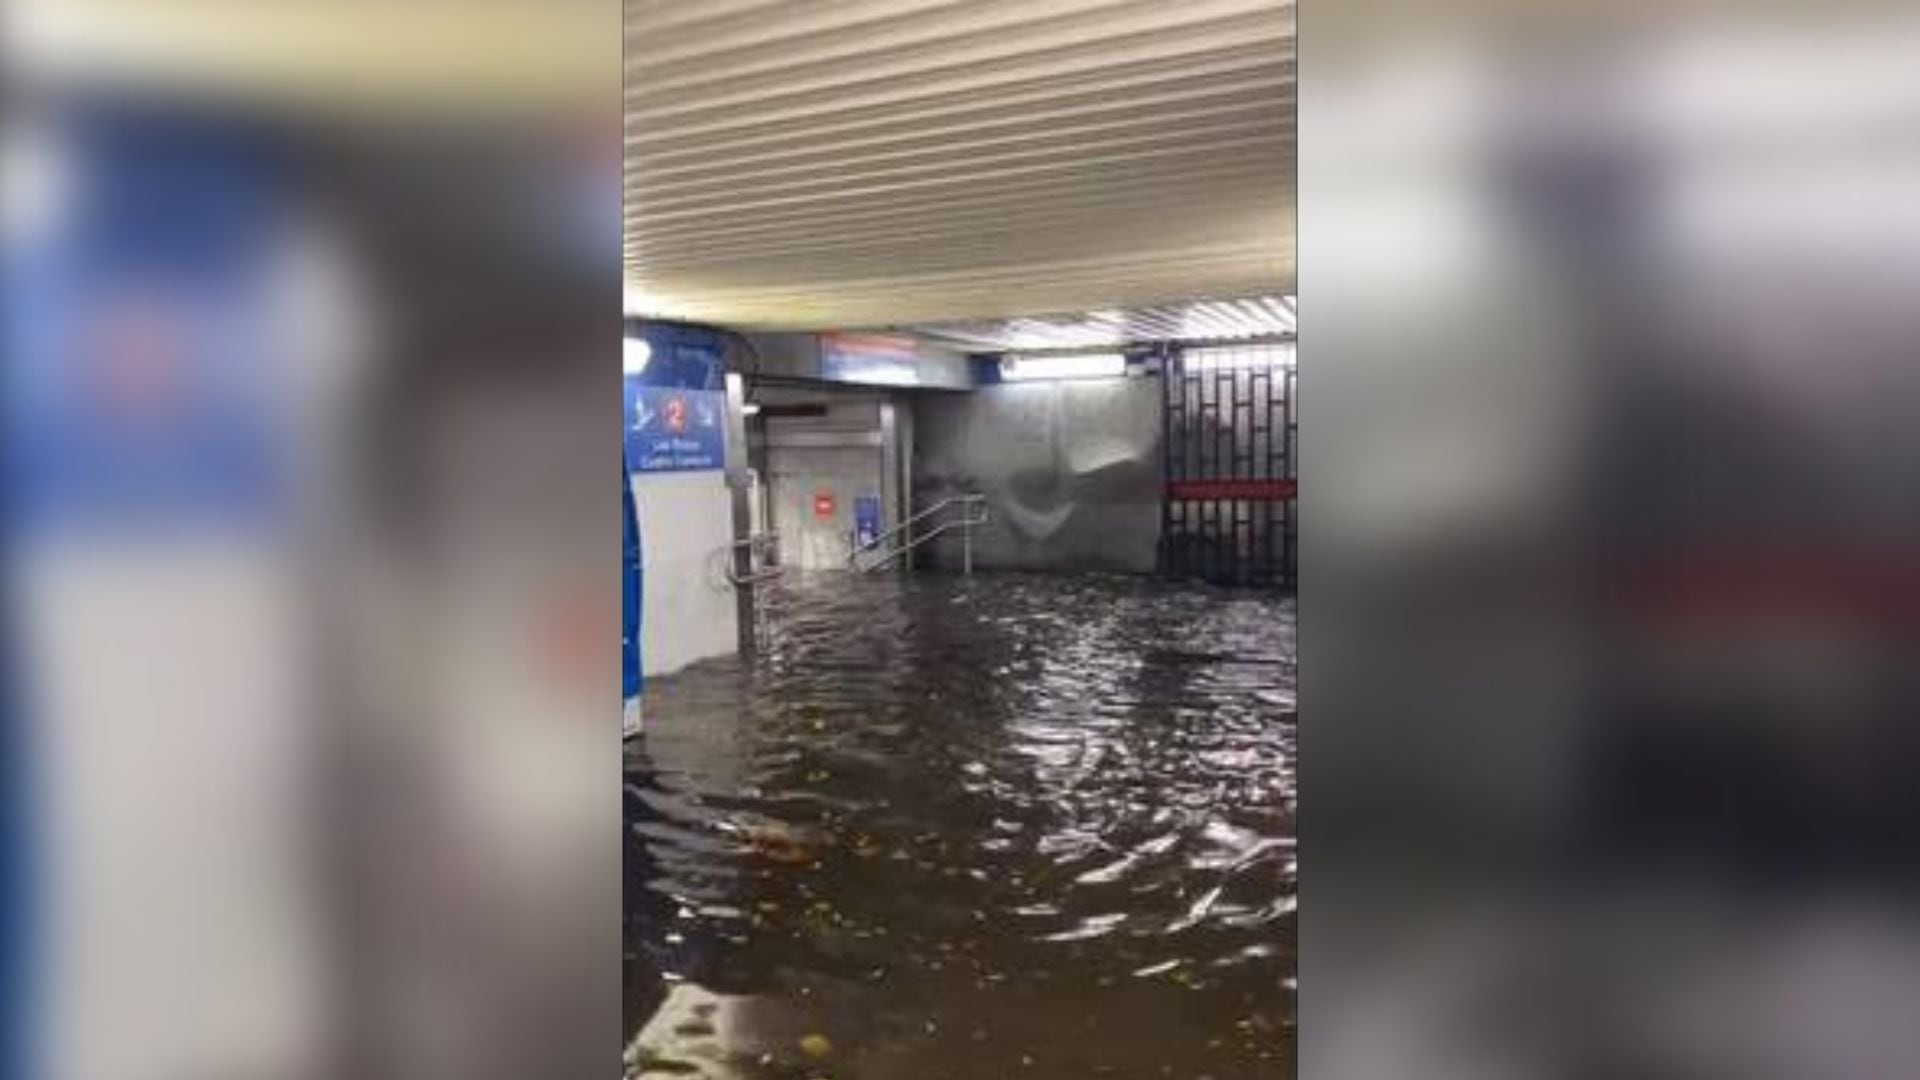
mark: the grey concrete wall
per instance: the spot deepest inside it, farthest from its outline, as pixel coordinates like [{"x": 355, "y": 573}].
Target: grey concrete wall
[{"x": 1071, "y": 471}]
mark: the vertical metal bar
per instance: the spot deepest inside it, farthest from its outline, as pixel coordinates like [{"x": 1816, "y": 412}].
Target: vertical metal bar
[
  {"x": 1165, "y": 545},
  {"x": 1275, "y": 466},
  {"x": 1193, "y": 513},
  {"x": 1189, "y": 435},
  {"x": 1231, "y": 468},
  {"x": 1269, "y": 571},
  {"x": 1178, "y": 372},
  {"x": 1260, "y": 517},
  {"x": 966, "y": 542},
  {"x": 1207, "y": 440},
  {"x": 1242, "y": 510},
  {"x": 1260, "y": 396},
  {"x": 1189, "y": 458},
  {"x": 738, "y": 487},
  {"x": 890, "y": 513},
  {"x": 1274, "y": 470},
  {"x": 1202, "y": 513},
  {"x": 1223, "y": 469},
  {"x": 1288, "y": 555},
  {"x": 1235, "y": 562},
  {"x": 905, "y": 436},
  {"x": 1197, "y": 386},
  {"x": 1222, "y": 530}
]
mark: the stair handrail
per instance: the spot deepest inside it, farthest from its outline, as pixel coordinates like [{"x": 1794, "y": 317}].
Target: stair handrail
[
  {"x": 752, "y": 543},
  {"x": 973, "y": 514}
]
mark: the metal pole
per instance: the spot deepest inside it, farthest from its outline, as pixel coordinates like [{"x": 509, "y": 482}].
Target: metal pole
[
  {"x": 966, "y": 542},
  {"x": 738, "y": 487},
  {"x": 895, "y": 505}
]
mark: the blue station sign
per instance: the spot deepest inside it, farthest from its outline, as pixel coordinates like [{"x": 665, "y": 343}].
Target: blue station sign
[
  {"x": 676, "y": 402},
  {"x": 671, "y": 429}
]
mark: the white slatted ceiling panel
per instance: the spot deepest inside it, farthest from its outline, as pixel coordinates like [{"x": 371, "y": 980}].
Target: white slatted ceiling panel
[
  {"x": 1214, "y": 320},
  {"x": 807, "y": 164}
]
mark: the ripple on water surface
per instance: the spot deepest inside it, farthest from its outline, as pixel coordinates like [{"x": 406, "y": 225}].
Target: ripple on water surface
[{"x": 971, "y": 828}]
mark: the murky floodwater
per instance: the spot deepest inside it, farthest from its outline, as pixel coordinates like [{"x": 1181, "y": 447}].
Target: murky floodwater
[{"x": 971, "y": 829}]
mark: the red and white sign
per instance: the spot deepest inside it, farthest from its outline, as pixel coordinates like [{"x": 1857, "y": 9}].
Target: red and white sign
[{"x": 823, "y": 504}]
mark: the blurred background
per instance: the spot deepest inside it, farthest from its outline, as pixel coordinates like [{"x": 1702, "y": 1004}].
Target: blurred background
[
  {"x": 309, "y": 312},
  {"x": 1608, "y": 573},
  {"x": 1609, "y": 599}
]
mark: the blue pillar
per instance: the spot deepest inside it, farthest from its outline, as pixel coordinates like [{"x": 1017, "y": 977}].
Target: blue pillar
[{"x": 632, "y": 594}]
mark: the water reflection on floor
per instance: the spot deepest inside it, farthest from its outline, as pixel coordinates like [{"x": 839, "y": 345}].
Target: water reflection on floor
[{"x": 970, "y": 829}]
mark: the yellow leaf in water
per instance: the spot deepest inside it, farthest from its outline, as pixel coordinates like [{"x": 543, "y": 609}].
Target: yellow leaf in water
[{"x": 815, "y": 1045}]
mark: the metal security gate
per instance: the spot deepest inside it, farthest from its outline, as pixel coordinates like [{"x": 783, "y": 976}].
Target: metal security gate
[{"x": 1231, "y": 440}]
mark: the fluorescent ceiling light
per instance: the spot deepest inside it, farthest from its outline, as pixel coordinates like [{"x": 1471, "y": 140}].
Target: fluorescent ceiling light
[
  {"x": 637, "y": 301},
  {"x": 1063, "y": 366},
  {"x": 634, "y": 354}
]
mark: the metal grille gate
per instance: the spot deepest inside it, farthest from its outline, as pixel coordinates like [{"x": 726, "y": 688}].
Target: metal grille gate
[{"x": 1231, "y": 439}]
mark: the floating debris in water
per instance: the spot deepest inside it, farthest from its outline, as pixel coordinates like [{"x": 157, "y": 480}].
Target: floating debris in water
[
  {"x": 816, "y": 1045},
  {"x": 1134, "y": 811}
]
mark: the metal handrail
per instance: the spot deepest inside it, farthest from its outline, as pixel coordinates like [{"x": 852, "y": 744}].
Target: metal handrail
[
  {"x": 974, "y": 513},
  {"x": 752, "y": 544}
]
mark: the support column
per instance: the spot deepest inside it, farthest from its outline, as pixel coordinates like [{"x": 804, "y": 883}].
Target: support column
[
  {"x": 893, "y": 510},
  {"x": 740, "y": 490}
]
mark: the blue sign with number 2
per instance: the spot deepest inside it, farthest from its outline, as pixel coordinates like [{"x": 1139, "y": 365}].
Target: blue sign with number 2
[{"x": 674, "y": 430}]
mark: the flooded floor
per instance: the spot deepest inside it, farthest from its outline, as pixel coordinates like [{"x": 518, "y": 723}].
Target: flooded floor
[{"x": 981, "y": 828}]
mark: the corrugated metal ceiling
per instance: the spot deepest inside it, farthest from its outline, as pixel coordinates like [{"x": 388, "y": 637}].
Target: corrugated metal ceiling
[
  {"x": 888, "y": 162},
  {"x": 1220, "y": 320}
]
